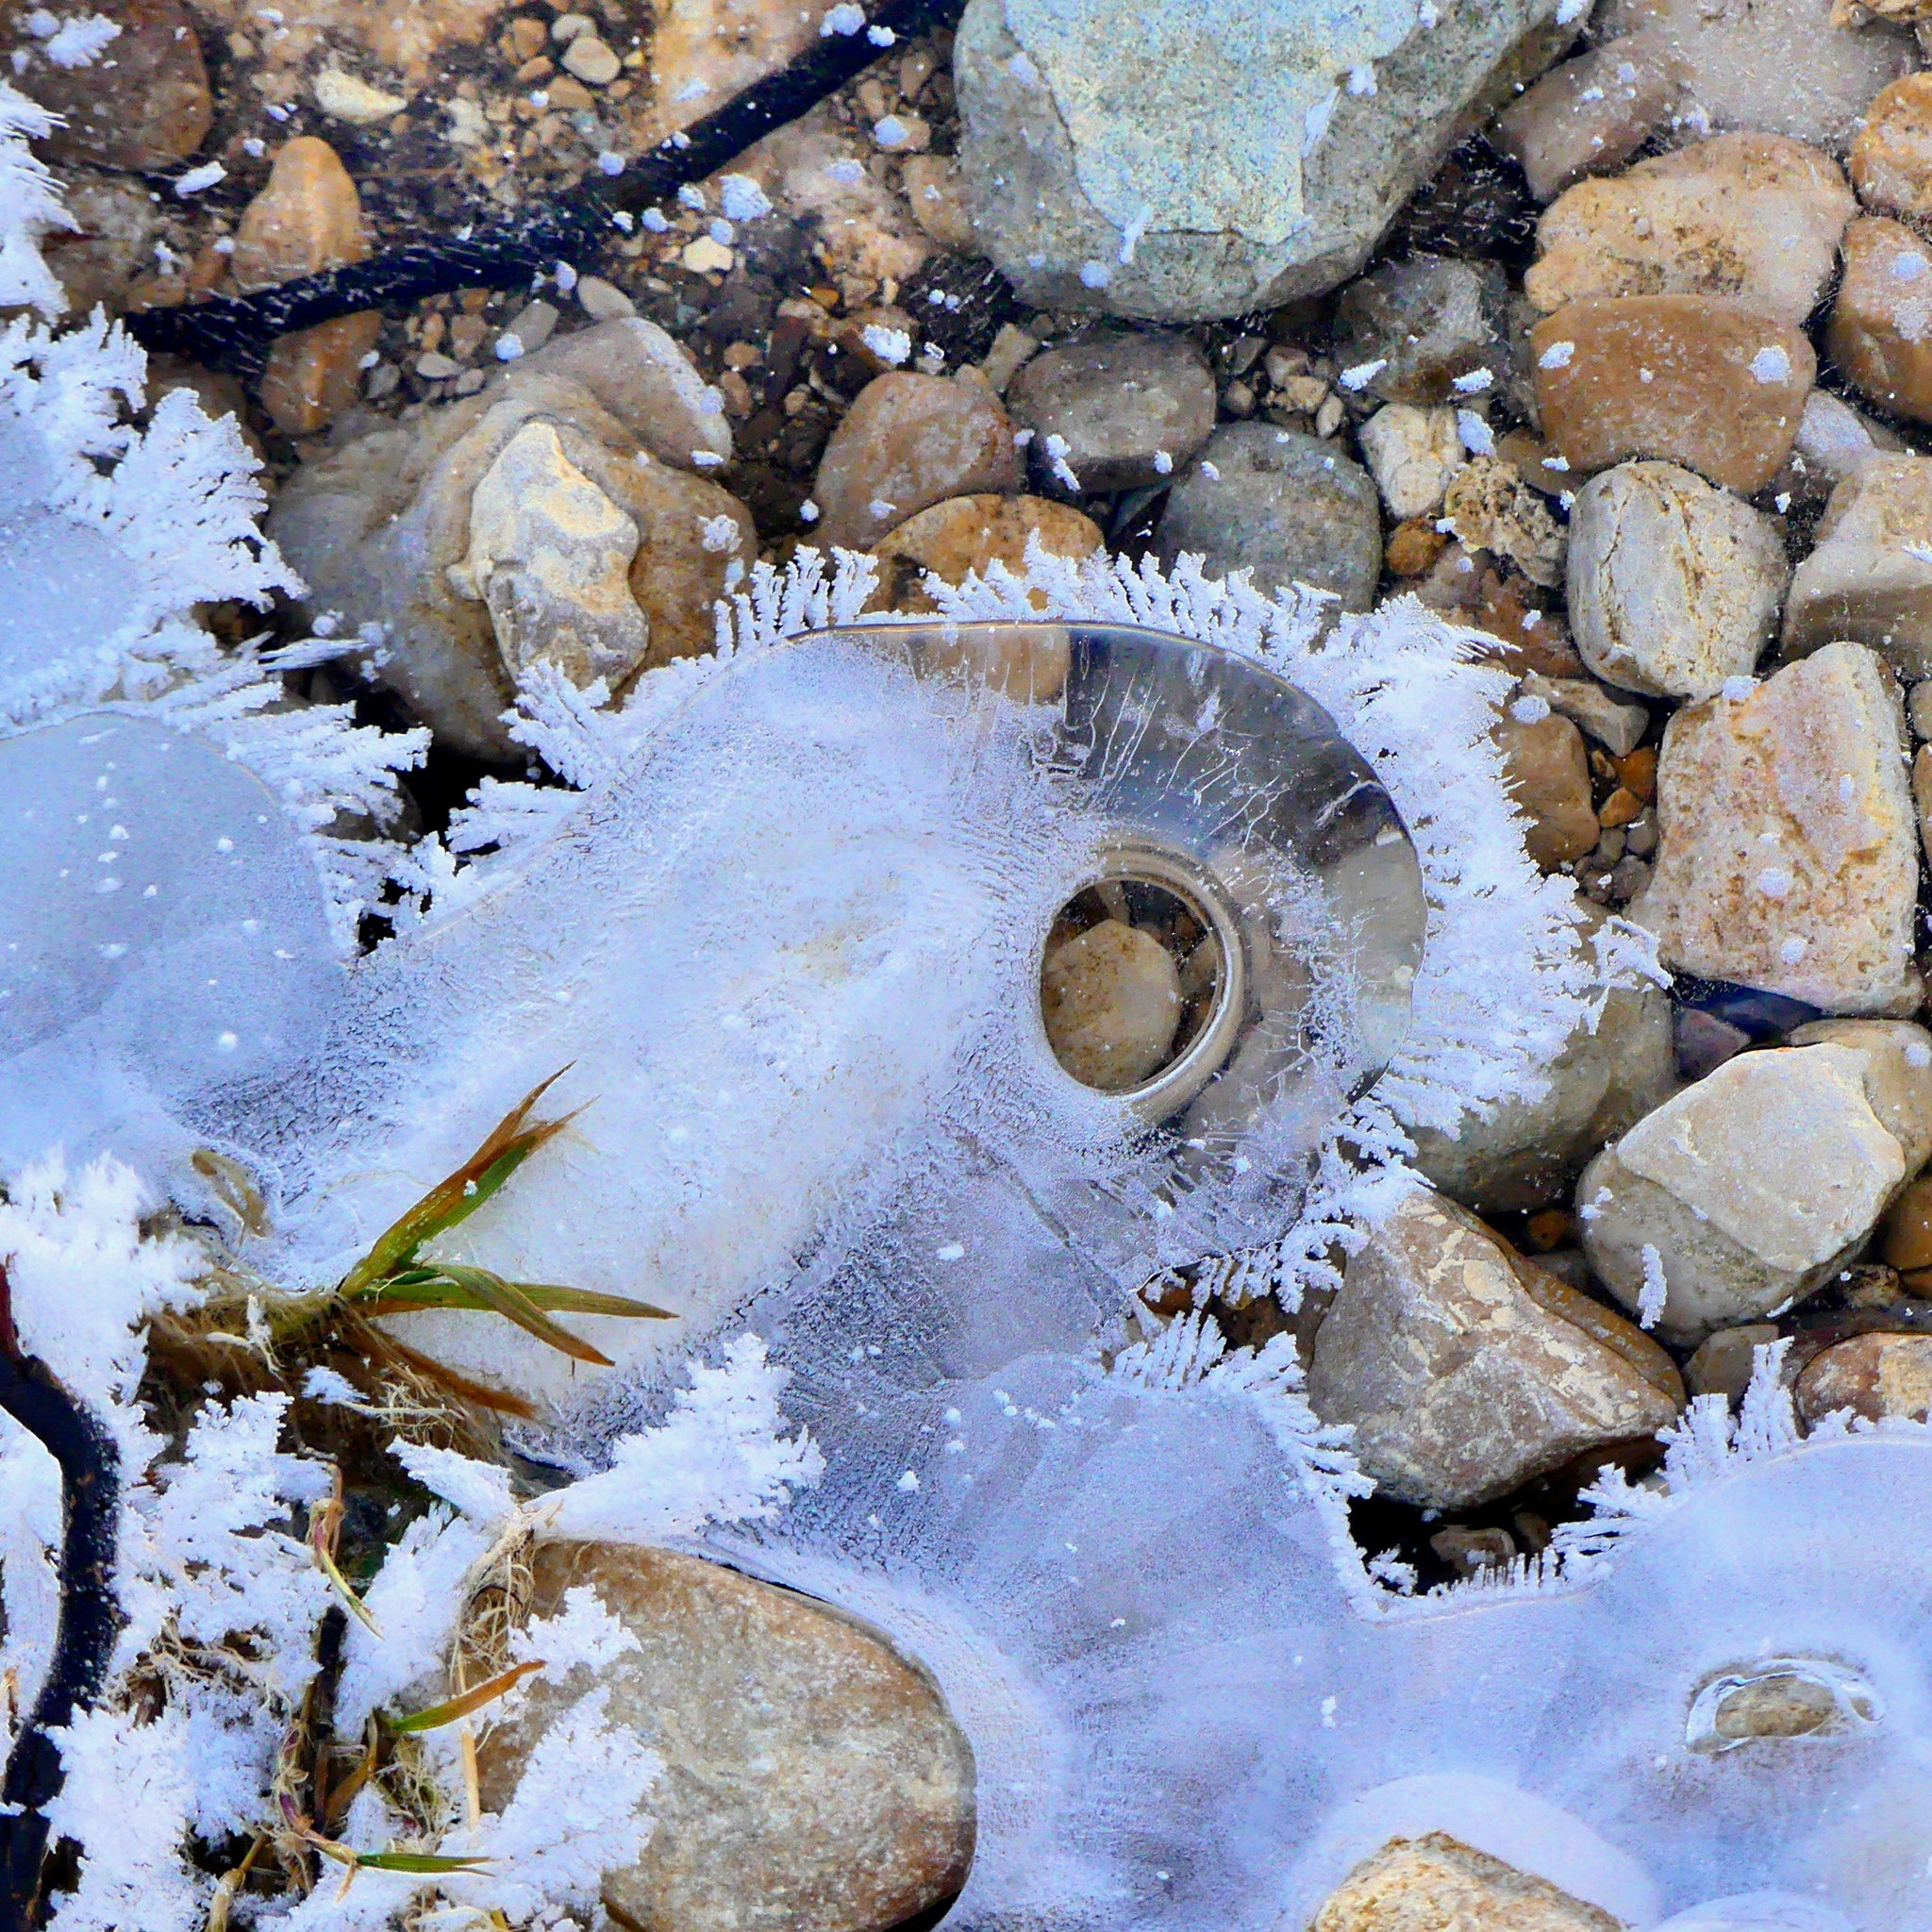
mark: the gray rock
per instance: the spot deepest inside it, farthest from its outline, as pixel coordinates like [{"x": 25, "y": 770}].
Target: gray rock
[
  {"x": 1869, "y": 580},
  {"x": 1834, "y": 440},
  {"x": 1426, "y": 321},
  {"x": 1292, "y": 507},
  {"x": 1590, "y": 115},
  {"x": 1525, "y": 1152},
  {"x": 1725, "y": 1362},
  {"x": 1177, "y": 160},
  {"x": 1119, "y": 401},
  {"x": 1466, "y": 1369}
]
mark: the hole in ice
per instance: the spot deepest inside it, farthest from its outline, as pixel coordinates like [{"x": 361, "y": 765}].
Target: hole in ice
[{"x": 1781, "y": 1697}]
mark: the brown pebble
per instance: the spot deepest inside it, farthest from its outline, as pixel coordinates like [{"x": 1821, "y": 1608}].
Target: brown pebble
[
  {"x": 1638, "y": 771},
  {"x": 1880, "y": 332},
  {"x": 1413, "y": 547},
  {"x": 1619, "y": 809},
  {"x": 1908, "y": 1227},
  {"x": 1549, "y": 779}
]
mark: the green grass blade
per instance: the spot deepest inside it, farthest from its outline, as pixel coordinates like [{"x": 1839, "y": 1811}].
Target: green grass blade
[{"x": 461, "y": 1706}]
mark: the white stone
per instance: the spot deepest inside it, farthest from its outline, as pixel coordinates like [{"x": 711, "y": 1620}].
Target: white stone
[
  {"x": 1413, "y": 453},
  {"x": 346, "y": 97}
]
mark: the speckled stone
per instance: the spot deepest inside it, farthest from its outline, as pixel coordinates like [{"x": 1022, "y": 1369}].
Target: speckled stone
[{"x": 1439, "y": 1884}]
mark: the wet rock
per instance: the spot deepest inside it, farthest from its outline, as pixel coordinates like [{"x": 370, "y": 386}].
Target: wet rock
[
  {"x": 1413, "y": 453},
  {"x": 906, "y": 442},
  {"x": 1880, "y": 332},
  {"x": 1146, "y": 161},
  {"x": 1547, "y": 772},
  {"x": 142, "y": 102},
  {"x": 1119, "y": 402},
  {"x": 971, "y": 534},
  {"x": 1833, "y": 442},
  {"x": 1423, "y": 1884},
  {"x": 1674, "y": 586},
  {"x": 1789, "y": 858},
  {"x": 1777, "y": 66},
  {"x": 308, "y": 218},
  {"x": 1466, "y": 1369},
  {"x": 1724, "y": 1364},
  {"x": 1867, "y": 580},
  {"x": 1489, "y": 507},
  {"x": 812, "y": 1778},
  {"x": 1753, "y": 1187},
  {"x": 1875, "y": 1376},
  {"x": 1111, "y": 999},
  {"x": 1891, "y": 159},
  {"x": 1523, "y": 1153},
  {"x": 1290, "y": 508},
  {"x": 1752, "y": 217},
  {"x": 1420, "y": 325},
  {"x": 1468, "y": 1552},
  {"x": 1695, "y": 379},
  {"x": 1590, "y": 115}
]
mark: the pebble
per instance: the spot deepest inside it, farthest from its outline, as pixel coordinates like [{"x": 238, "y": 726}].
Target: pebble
[
  {"x": 814, "y": 1778},
  {"x": 1489, "y": 507},
  {"x": 1674, "y": 585},
  {"x": 1908, "y": 1230},
  {"x": 1146, "y": 158},
  {"x": 1289, "y": 506},
  {"x": 1834, "y": 439},
  {"x": 1546, "y": 771},
  {"x": 532, "y": 326},
  {"x": 1413, "y": 453},
  {"x": 593, "y": 63},
  {"x": 971, "y": 534},
  {"x": 1705, "y": 1043},
  {"x": 1436, "y": 1883},
  {"x": 1466, "y": 1370},
  {"x": 938, "y": 199},
  {"x": 347, "y": 97},
  {"x": 1880, "y": 331},
  {"x": 1724, "y": 391},
  {"x": 1011, "y": 349},
  {"x": 1891, "y": 159},
  {"x": 1468, "y": 1552},
  {"x": 1522, "y": 1153},
  {"x": 1752, "y": 217},
  {"x": 1111, "y": 999},
  {"x": 1878, "y": 1378},
  {"x": 1422, "y": 325},
  {"x": 1590, "y": 115},
  {"x": 111, "y": 242},
  {"x": 708, "y": 256},
  {"x": 603, "y": 301},
  {"x": 142, "y": 104},
  {"x": 906, "y": 442},
  {"x": 1117, "y": 400},
  {"x": 638, "y": 373},
  {"x": 1754, "y": 1185},
  {"x": 1863, "y": 581},
  {"x": 1724, "y": 1364},
  {"x": 1617, "y": 726}
]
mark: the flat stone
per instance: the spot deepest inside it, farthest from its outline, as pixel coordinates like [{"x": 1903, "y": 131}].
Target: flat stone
[
  {"x": 1751, "y": 1187},
  {"x": 1891, "y": 159},
  {"x": 1413, "y": 453},
  {"x": 937, "y": 197},
  {"x": 349, "y": 98},
  {"x": 531, "y": 328},
  {"x": 1880, "y": 331},
  {"x": 594, "y": 63},
  {"x": 642, "y": 377},
  {"x": 814, "y": 1778},
  {"x": 1546, "y": 771},
  {"x": 1420, "y": 325},
  {"x": 1618, "y": 726},
  {"x": 1590, "y": 114},
  {"x": 906, "y": 442},
  {"x": 1724, "y": 1364},
  {"x": 1674, "y": 586},
  {"x": 1489, "y": 507},
  {"x": 1522, "y": 1154},
  {"x": 1789, "y": 859},
  {"x": 1726, "y": 385},
  {"x": 1111, "y": 999},
  {"x": 1751, "y": 217},
  {"x": 603, "y": 301},
  {"x": 1439, "y": 1884},
  {"x": 968, "y": 534},
  {"x": 1865, "y": 580},
  {"x": 1466, "y": 1369},
  {"x": 1146, "y": 159},
  {"x": 1774, "y": 66},
  {"x": 141, "y": 103},
  {"x": 1290, "y": 508},
  {"x": 1897, "y": 1056},
  {"x": 1875, "y": 1376},
  {"x": 1119, "y": 400}
]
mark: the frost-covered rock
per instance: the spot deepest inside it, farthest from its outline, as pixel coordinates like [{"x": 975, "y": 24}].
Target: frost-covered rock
[
  {"x": 811, "y": 1777},
  {"x": 1751, "y": 1187},
  {"x": 1880, "y": 322},
  {"x": 1466, "y": 1369},
  {"x": 1590, "y": 114},
  {"x": 1413, "y": 329},
  {"x": 968, "y": 534},
  {"x": 1789, "y": 854},
  {"x": 1149, "y": 160},
  {"x": 1674, "y": 585},
  {"x": 1413, "y": 453},
  {"x": 1439, "y": 1881},
  {"x": 1489, "y": 507},
  {"x": 1869, "y": 578}
]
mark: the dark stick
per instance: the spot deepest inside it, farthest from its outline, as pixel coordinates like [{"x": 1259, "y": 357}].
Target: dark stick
[
  {"x": 90, "y": 1616},
  {"x": 235, "y": 332}
]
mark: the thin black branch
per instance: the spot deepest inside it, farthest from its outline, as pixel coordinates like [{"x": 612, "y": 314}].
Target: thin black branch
[{"x": 235, "y": 332}]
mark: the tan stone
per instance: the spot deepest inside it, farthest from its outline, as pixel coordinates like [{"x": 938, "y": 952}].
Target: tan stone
[
  {"x": 938, "y": 201},
  {"x": 1909, "y": 1228},
  {"x": 1875, "y": 1376},
  {"x": 1869, "y": 578},
  {"x": 1489, "y": 507},
  {"x": 1413, "y": 453},
  {"x": 1111, "y": 999},
  {"x": 1834, "y": 442},
  {"x": 705, "y": 51},
  {"x": 1751, "y": 217},
  {"x": 415, "y": 41},
  {"x": 972, "y": 533},
  {"x": 1590, "y": 115},
  {"x": 1547, "y": 773},
  {"x": 646, "y": 380},
  {"x": 813, "y": 1779},
  {"x": 1880, "y": 331},
  {"x": 1725, "y": 1362},
  {"x": 1891, "y": 159},
  {"x": 1724, "y": 389},
  {"x": 1788, "y": 857},
  {"x": 1897, "y": 1058},
  {"x": 906, "y": 442},
  {"x": 348, "y": 97},
  {"x": 1466, "y": 1369},
  {"x": 1439, "y": 1884},
  {"x": 694, "y": 542},
  {"x": 110, "y": 244}
]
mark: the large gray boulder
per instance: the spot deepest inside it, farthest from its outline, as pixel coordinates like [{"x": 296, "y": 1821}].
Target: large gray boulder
[{"x": 1179, "y": 159}]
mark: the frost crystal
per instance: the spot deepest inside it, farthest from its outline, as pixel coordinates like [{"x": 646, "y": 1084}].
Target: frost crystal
[{"x": 1656, "y": 1291}]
